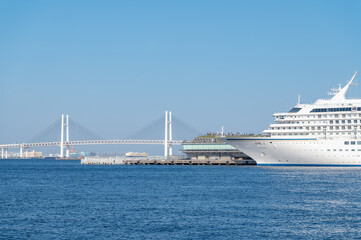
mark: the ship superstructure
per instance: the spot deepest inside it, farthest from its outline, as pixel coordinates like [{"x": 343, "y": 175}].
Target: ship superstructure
[{"x": 327, "y": 132}]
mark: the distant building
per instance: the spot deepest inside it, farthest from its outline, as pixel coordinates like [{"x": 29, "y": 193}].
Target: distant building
[
  {"x": 32, "y": 154},
  {"x": 136, "y": 154},
  {"x": 78, "y": 154}
]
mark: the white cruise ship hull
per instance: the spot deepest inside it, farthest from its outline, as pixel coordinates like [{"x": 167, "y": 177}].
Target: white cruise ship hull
[{"x": 299, "y": 152}]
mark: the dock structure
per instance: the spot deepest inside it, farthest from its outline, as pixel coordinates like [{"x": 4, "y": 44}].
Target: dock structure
[{"x": 162, "y": 161}]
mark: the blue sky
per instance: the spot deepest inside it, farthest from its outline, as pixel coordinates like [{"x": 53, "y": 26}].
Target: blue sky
[{"x": 114, "y": 66}]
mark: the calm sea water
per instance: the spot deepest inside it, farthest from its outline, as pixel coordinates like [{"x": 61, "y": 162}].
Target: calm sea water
[{"x": 48, "y": 199}]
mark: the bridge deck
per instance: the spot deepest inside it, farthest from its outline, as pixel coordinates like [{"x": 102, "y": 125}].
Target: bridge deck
[{"x": 87, "y": 142}]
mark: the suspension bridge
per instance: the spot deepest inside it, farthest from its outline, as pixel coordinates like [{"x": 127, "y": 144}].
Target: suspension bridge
[{"x": 147, "y": 135}]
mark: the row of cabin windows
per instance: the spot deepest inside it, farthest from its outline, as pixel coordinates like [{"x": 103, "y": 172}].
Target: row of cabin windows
[
  {"x": 340, "y": 127},
  {"x": 346, "y": 150},
  {"x": 352, "y": 142},
  {"x": 317, "y": 128},
  {"x": 331, "y": 122},
  {"x": 347, "y": 109},
  {"x": 344, "y": 121},
  {"x": 321, "y": 116},
  {"x": 314, "y": 134}
]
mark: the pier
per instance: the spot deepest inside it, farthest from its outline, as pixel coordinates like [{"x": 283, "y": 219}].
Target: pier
[{"x": 162, "y": 161}]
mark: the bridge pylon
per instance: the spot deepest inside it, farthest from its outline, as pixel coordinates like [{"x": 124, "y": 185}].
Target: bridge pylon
[
  {"x": 62, "y": 136},
  {"x": 168, "y": 135}
]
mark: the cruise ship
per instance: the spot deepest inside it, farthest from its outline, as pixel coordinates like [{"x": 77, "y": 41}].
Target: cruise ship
[{"x": 325, "y": 133}]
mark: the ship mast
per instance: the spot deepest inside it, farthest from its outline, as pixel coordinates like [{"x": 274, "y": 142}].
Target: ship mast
[{"x": 340, "y": 95}]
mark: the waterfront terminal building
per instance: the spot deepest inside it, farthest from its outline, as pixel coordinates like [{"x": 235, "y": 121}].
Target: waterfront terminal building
[{"x": 209, "y": 147}]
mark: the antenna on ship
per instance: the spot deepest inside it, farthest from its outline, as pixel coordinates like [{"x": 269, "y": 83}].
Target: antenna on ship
[
  {"x": 299, "y": 99},
  {"x": 334, "y": 91}
]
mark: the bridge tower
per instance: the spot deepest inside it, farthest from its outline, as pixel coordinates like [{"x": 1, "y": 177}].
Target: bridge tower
[
  {"x": 2, "y": 153},
  {"x": 67, "y": 136},
  {"x": 168, "y": 135},
  {"x": 62, "y": 136}
]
